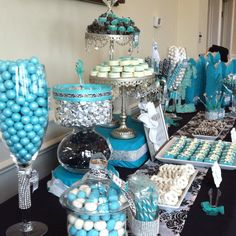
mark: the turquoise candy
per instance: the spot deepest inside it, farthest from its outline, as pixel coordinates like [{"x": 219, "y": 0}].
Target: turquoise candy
[
  {"x": 21, "y": 133},
  {"x": 25, "y": 120},
  {"x": 29, "y": 146},
  {"x": 72, "y": 230},
  {"x": 31, "y": 68},
  {"x": 9, "y": 84},
  {"x": 34, "y": 60},
  {"x": 102, "y": 20},
  {"x": 103, "y": 208},
  {"x": 115, "y": 22},
  {"x": 81, "y": 233},
  {"x": 116, "y": 216},
  {"x": 130, "y": 29},
  {"x": 2, "y": 87},
  {"x": 122, "y": 217},
  {"x": 106, "y": 217},
  {"x": 113, "y": 198},
  {"x": 113, "y": 233},
  {"x": 37, "y": 127},
  {"x": 94, "y": 194},
  {"x": 30, "y": 98},
  {"x": 81, "y": 194},
  {"x": 3, "y": 97},
  {"x": 15, "y": 139},
  {"x": 17, "y": 146},
  {"x": 121, "y": 29},
  {"x": 9, "y": 122},
  {"x": 15, "y": 108},
  {"x": 84, "y": 217},
  {"x": 111, "y": 224},
  {"x": 92, "y": 232},
  {"x": 112, "y": 27},
  {"x": 3, "y": 67},
  {"x": 41, "y": 101},
  {"x": 11, "y": 131},
  {"x": 34, "y": 120},
  {"x": 94, "y": 218},
  {"x": 28, "y": 127},
  {"x": 114, "y": 205},
  {"x": 6, "y": 75},
  {"x": 33, "y": 106},
  {"x": 25, "y": 111},
  {"x": 16, "y": 117},
  {"x": 31, "y": 135},
  {"x": 24, "y": 141},
  {"x": 71, "y": 197},
  {"x": 20, "y": 100},
  {"x": 7, "y": 112},
  {"x": 11, "y": 94}
]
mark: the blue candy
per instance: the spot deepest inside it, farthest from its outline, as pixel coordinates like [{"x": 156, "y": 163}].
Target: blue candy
[
  {"x": 15, "y": 139},
  {"x": 25, "y": 111},
  {"x": 111, "y": 224},
  {"x": 15, "y": 108},
  {"x": 21, "y": 133},
  {"x": 2, "y": 87},
  {"x": 18, "y": 125},
  {"x": 92, "y": 232},
  {"x": 28, "y": 127},
  {"x": 71, "y": 197},
  {"x": 24, "y": 141},
  {"x": 11, "y": 94},
  {"x": 6, "y": 75},
  {"x": 81, "y": 194},
  {"x": 81, "y": 233},
  {"x": 25, "y": 120},
  {"x": 9, "y": 84},
  {"x": 114, "y": 205},
  {"x": 20, "y": 100},
  {"x": 9, "y": 122},
  {"x": 31, "y": 135},
  {"x": 105, "y": 217},
  {"x": 11, "y": 131},
  {"x": 16, "y": 117},
  {"x": 113, "y": 198},
  {"x": 72, "y": 230},
  {"x": 84, "y": 217},
  {"x": 94, "y": 218},
  {"x": 113, "y": 233}
]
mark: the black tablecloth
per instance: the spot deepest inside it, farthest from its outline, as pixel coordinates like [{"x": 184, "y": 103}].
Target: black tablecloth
[{"x": 46, "y": 207}]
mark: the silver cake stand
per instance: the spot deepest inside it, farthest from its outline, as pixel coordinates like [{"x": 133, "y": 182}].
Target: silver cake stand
[
  {"x": 123, "y": 132},
  {"x": 98, "y": 41}
]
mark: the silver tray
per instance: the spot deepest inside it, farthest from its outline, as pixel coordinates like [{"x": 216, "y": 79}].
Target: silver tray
[
  {"x": 160, "y": 156},
  {"x": 182, "y": 196}
]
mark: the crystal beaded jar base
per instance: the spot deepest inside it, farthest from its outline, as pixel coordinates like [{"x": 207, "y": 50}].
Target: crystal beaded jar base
[
  {"x": 123, "y": 133},
  {"x": 38, "y": 229}
]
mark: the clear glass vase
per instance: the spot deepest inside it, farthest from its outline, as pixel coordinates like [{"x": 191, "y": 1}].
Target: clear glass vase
[{"x": 24, "y": 118}]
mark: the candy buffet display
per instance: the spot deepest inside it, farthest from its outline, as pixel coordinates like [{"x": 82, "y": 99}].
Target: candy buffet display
[
  {"x": 24, "y": 118},
  {"x": 124, "y": 67},
  {"x": 96, "y": 205},
  {"x": 81, "y": 107},
  {"x": 173, "y": 182},
  {"x": 199, "y": 152}
]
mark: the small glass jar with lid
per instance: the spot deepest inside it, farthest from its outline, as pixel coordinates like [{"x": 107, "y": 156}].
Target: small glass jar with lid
[{"x": 96, "y": 206}]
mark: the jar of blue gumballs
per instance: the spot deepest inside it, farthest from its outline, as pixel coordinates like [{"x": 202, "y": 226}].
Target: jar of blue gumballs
[{"x": 96, "y": 206}]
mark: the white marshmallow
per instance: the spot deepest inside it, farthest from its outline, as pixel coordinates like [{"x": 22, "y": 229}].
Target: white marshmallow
[
  {"x": 86, "y": 189},
  {"x": 123, "y": 199},
  {"x": 121, "y": 232},
  {"x": 77, "y": 203},
  {"x": 91, "y": 206},
  {"x": 88, "y": 225},
  {"x": 79, "y": 224},
  {"x": 104, "y": 232},
  {"x": 71, "y": 219},
  {"x": 74, "y": 191},
  {"x": 100, "y": 225},
  {"x": 118, "y": 225}
]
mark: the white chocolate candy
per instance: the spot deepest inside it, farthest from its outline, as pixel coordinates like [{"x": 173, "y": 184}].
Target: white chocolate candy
[
  {"x": 118, "y": 225},
  {"x": 100, "y": 225},
  {"x": 121, "y": 232},
  {"x": 74, "y": 191},
  {"x": 104, "y": 232},
  {"x": 91, "y": 206},
  {"x": 77, "y": 203},
  {"x": 79, "y": 224},
  {"x": 122, "y": 199},
  {"x": 71, "y": 219},
  {"x": 86, "y": 189},
  {"x": 88, "y": 225}
]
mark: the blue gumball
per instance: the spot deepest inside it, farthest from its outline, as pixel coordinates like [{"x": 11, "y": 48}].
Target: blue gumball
[
  {"x": 9, "y": 122},
  {"x": 7, "y": 112},
  {"x": 33, "y": 106},
  {"x": 29, "y": 146},
  {"x": 28, "y": 127},
  {"x": 94, "y": 218},
  {"x": 21, "y": 134},
  {"x": 13, "y": 68},
  {"x": 4, "y": 127},
  {"x": 17, "y": 146},
  {"x": 31, "y": 68},
  {"x": 123, "y": 217},
  {"x": 105, "y": 217},
  {"x": 24, "y": 141},
  {"x": 28, "y": 157},
  {"x": 37, "y": 128},
  {"x": 71, "y": 197},
  {"x": 15, "y": 108},
  {"x": 30, "y": 98},
  {"x": 2, "y": 105},
  {"x": 9, "y": 84},
  {"x": 38, "y": 112},
  {"x": 20, "y": 100},
  {"x": 9, "y": 143},
  {"x": 3, "y": 67},
  {"x": 38, "y": 144},
  {"x": 34, "y": 60},
  {"x": 6, "y": 75},
  {"x": 114, "y": 205},
  {"x": 1, "y": 79},
  {"x": 11, "y": 131},
  {"x": 34, "y": 120},
  {"x": 84, "y": 217},
  {"x": 2, "y": 87},
  {"x": 31, "y": 135},
  {"x": 25, "y": 119},
  {"x": 6, "y": 135},
  {"x": 23, "y": 153},
  {"x": 25, "y": 111},
  {"x": 15, "y": 139},
  {"x": 33, "y": 150},
  {"x": 16, "y": 117},
  {"x": 42, "y": 92},
  {"x": 40, "y": 133},
  {"x": 36, "y": 139},
  {"x": 10, "y": 103},
  {"x": 18, "y": 126},
  {"x": 11, "y": 94},
  {"x": 3, "y": 97}
]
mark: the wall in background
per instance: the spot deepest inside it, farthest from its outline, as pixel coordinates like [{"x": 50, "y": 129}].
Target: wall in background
[{"x": 192, "y": 19}]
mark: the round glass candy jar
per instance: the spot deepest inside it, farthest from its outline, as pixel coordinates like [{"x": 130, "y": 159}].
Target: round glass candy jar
[
  {"x": 95, "y": 207},
  {"x": 81, "y": 107}
]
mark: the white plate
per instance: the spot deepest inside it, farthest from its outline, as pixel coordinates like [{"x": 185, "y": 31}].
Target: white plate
[
  {"x": 182, "y": 196},
  {"x": 160, "y": 156}
]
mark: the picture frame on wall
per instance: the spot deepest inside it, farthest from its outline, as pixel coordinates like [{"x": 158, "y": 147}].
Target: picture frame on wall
[
  {"x": 162, "y": 136},
  {"x": 101, "y": 2}
]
